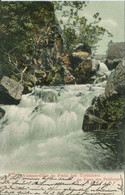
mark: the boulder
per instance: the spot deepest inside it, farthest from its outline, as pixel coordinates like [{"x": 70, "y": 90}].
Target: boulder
[
  {"x": 78, "y": 68},
  {"x": 83, "y": 72},
  {"x": 10, "y": 91},
  {"x": 115, "y": 53},
  {"x": 2, "y": 113},
  {"x": 108, "y": 110},
  {"x": 30, "y": 80},
  {"x": 81, "y": 55},
  {"x": 116, "y": 81},
  {"x": 116, "y": 50},
  {"x": 105, "y": 114},
  {"x": 46, "y": 95}
]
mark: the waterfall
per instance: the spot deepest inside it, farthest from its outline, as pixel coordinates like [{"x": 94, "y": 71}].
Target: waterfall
[{"x": 43, "y": 133}]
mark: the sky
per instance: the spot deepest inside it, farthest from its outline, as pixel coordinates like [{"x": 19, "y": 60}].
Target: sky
[
  {"x": 113, "y": 19},
  {"x": 112, "y": 14}
]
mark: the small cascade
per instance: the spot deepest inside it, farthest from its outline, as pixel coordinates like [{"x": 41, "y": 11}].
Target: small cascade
[
  {"x": 102, "y": 74},
  {"x": 43, "y": 133}
]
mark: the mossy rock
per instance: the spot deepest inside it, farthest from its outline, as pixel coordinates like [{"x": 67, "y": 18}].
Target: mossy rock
[
  {"x": 56, "y": 75},
  {"x": 105, "y": 113}
]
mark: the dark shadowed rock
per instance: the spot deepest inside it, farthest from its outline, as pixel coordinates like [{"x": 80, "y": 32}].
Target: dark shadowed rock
[
  {"x": 78, "y": 66},
  {"x": 10, "y": 91},
  {"x": 108, "y": 110},
  {"x": 105, "y": 114},
  {"x": 115, "y": 53},
  {"x": 116, "y": 81},
  {"x": 2, "y": 113}
]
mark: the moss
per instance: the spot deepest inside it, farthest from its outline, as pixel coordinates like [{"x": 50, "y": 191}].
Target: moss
[
  {"x": 116, "y": 109},
  {"x": 113, "y": 111},
  {"x": 56, "y": 75},
  {"x": 14, "y": 78}
]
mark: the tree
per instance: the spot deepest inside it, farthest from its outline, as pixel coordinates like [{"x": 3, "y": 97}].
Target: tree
[
  {"x": 77, "y": 29},
  {"x": 20, "y": 22},
  {"x": 21, "y": 25}
]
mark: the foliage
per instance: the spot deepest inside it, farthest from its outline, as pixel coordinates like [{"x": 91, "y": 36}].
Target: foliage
[
  {"x": 19, "y": 23},
  {"x": 112, "y": 111},
  {"x": 56, "y": 75},
  {"x": 78, "y": 29}
]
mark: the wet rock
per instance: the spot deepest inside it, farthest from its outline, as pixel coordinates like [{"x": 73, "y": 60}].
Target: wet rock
[
  {"x": 46, "y": 96},
  {"x": 10, "y": 91},
  {"x": 108, "y": 110},
  {"x": 2, "y": 113},
  {"x": 100, "y": 78},
  {"x": 95, "y": 65},
  {"x": 111, "y": 64}
]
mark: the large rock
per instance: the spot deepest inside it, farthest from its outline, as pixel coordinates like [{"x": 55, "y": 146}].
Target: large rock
[
  {"x": 2, "y": 113},
  {"x": 105, "y": 114},
  {"x": 46, "y": 95},
  {"x": 10, "y": 91},
  {"x": 115, "y": 53},
  {"x": 116, "y": 50},
  {"x": 78, "y": 68},
  {"x": 45, "y": 64},
  {"x": 116, "y": 81},
  {"x": 108, "y": 110},
  {"x": 80, "y": 55},
  {"x": 43, "y": 47}
]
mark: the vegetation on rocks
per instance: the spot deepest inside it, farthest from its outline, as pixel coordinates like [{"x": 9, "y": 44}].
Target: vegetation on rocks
[
  {"x": 20, "y": 23},
  {"x": 108, "y": 110},
  {"x": 78, "y": 29},
  {"x": 30, "y": 36}
]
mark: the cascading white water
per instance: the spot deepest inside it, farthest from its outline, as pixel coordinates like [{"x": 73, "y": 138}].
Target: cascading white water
[{"x": 49, "y": 138}]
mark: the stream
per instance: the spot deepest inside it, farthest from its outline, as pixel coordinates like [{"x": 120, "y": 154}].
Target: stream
[{"x": 43, "y": 134}]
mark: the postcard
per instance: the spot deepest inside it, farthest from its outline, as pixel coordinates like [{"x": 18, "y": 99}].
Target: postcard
[{"x": 62, "y": 97}]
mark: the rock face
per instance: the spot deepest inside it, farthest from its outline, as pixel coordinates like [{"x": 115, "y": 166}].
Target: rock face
[
  {"x": 116, "y": 81},
  {"x": 115, "y": 53},
  {"x": 45, "y": 68},
  {"x": 39, "y": 43},
  {"x": 108, "y": 110},
  {"x": 2, "y": 113},
  {"x": 10, "y": 91},
  {"x": 43, "y": 57},
  {"x": 78, "y": 68}
]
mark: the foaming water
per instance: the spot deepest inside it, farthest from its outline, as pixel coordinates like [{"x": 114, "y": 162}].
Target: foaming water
[{"x": 43, "y": 133}]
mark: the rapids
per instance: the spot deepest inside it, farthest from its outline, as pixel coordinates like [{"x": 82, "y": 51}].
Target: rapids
[{"x": 44, "y": 135}]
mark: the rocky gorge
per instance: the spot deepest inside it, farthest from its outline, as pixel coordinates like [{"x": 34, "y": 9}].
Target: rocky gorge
[{"x": 50, "y": 95}]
